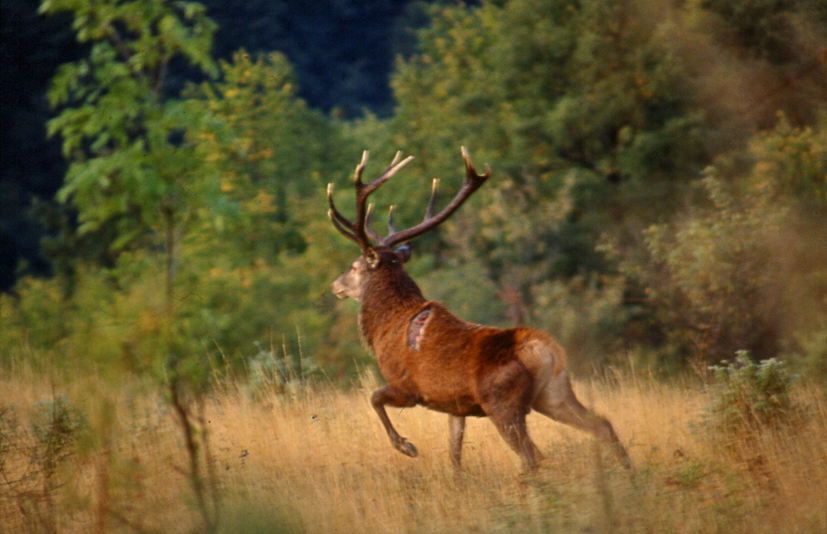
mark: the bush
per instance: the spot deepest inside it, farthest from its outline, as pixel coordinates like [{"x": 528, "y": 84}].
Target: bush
[
  {"x": 586, "y": 314},
  {"x": 276, "y": 372},
  {"x": 808, "y": 350},
  {"x": 751, "y": 397},
  {"x": 747, "y": 267},
  {"x": 712, "y": 277}
]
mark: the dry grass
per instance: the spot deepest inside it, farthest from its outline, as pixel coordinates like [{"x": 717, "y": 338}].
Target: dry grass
[{"x": 319, "y": 461}]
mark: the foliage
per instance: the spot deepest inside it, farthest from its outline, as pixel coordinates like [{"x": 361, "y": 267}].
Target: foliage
[
  {"x": 792, "y": 162},
  {"x": 587, "y": 316},
  {"x": 134, "y": 174},
  {"x": 267, "y": 146},
  {"x": 590, "y": 121},
  {"x": 747, "y": 270},
  {"x": 751, "y": 59},
  {"x": 337, "y": 69},
  {"x": 465, "y": 288},
  {"x": 263, "y": 211},
  {"x": 583, "y": 88},
  {"x": 807, "y": 348},
  {"x": 117, "y": 128},
  {"x": 342, "y": 53},
  {"x": 576, "y": 117},
  {"x": 766, "y": 28},
  {"x": 751, "y": 396},
  {"x": 130, "y": 177},
  {"x": 276, "y": 371},
  {"x": 711, "y": 275}
]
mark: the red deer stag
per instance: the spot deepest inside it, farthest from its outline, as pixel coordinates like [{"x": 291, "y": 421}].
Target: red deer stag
[{"x": 431, "y": 358}]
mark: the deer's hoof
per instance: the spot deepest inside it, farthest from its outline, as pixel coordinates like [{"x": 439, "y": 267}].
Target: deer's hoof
[{"x": 407, "y": 448}]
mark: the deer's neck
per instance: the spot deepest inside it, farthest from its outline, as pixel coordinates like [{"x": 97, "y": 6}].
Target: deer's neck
[{"x": 387, "y": 298}]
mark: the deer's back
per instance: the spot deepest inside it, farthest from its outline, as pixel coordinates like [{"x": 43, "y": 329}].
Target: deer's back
[{"x": 444, "y": 361}]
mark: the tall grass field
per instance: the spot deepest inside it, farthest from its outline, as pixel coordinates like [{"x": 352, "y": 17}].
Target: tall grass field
[{"x": 315, "y": 459}]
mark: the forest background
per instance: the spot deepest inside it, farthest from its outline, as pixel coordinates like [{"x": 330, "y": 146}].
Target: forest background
[{"x": 660, "y": 180}]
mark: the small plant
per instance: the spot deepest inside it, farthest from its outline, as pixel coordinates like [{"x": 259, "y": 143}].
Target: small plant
[
  {"x": 270, "y": 372},
  {"x": 31, "y": 460},
  {"x": 56, "y": 427},
  {"x": 751, "y": 396}
]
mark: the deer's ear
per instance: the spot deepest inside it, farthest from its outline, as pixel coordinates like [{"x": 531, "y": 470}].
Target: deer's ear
[
  {"x": 404, "y": 252},
  {"x": 371, "y": 257}
]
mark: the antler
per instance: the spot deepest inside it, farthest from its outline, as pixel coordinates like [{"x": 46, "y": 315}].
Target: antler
[
  {"x": 472, "y": 182},
  {"x": 356, "y": 231},
  {"x": 361, "y": 232}
]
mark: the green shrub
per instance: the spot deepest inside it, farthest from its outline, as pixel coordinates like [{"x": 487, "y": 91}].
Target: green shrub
[
  {"x": 274, "y": 371},
  {"x": 807, "y": 350},
  {"x": 586, "y": 314},
  {"x": 56, "y": 427},
  {"x": 751, "y": 397},
  {"x": 746, "y": 266}
]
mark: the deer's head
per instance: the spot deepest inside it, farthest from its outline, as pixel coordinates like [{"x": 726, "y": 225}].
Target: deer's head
[{"x": 378, "y": 253}]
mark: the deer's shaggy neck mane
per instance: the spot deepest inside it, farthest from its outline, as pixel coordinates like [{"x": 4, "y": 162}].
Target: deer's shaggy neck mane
[{"x": 388, "y": 295}]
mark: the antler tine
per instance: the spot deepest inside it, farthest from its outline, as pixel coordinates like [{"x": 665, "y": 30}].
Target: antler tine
[
  {"x": 391, "y": 228},
  {"x": 360, "y": 231},
  {"x": 344, "y": 226},
  {"x": 471, "y": 183},
  {"x": 357, "y": 176},
  {"x": 340, "y": 227},
  {"x": 431, "y": 203},
  {"x": 471, "y": 173},
  {"x": 333, "y": 212},
  {"x": 363, "y": 229},
  {"x": 392, "y": 169},
  {"x": 368, "y": 230}
]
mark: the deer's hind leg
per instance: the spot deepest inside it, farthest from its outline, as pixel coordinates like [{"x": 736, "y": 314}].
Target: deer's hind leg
[
  {"x": 514, "y": 431},
  {"x": 558, "y": 401},
  {"x": 392, "y": 397},
  {"x": 506, "y": 395},
  {"x": 456, "y": 431}
]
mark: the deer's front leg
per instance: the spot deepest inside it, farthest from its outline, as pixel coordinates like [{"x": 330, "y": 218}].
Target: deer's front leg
[
  {"x": 456, "y": 429},
  {"x": 388, "y": 396}
]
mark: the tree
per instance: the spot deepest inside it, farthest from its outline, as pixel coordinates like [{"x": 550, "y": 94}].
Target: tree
[
  {"x": 133, "y": 174},
  {"x": 583, "y": 117},
  {"x": 750, "y": 59},
  {"x": 749, "y": 270},
  {"x": 273, "y": 156},
  {"x": 128, "y": 171}
]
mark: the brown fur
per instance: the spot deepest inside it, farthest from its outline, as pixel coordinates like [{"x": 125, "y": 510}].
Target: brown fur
[
  {"x": 457, "y": 367},
  {"x": 430, "y": 357}
]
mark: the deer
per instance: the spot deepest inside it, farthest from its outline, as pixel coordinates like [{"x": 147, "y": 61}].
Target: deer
[{"x": 429, "y": 357}]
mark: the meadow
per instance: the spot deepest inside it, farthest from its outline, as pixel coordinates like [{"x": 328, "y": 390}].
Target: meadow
[{"x": 315, "y": 459}]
